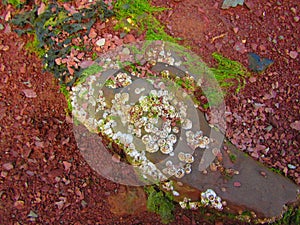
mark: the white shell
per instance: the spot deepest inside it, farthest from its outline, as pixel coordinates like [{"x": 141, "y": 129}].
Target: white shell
[
  {"x": 172, "y": 138},
  {"x": 175, "y": 130},
  {"x": 189, "y": 158},
  {"x": 179, "y": 173},
  {"x": 187, "y": 124},
  {"x": 181, "y": 156},
  {"x": 166, "y": 149}
]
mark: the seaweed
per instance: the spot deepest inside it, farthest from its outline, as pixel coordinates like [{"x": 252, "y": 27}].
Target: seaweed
[{"x": 160, "y": 203}]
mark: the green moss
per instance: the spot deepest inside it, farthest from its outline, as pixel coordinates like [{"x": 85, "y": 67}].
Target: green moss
[
  {"x": 15, "y": 3},
  {"x": 160, "y": 203},
  {"x": 232, "y": 157},
  {"x": 290, "y": 217},
  {"x": 56, "y": 19},
  {"x": 229, "y": 73},
  {"x": 34, "y": 47},
  {"x": 66, "y": 93},
  {"x": 91, "y": 70},
  {"x": 139, "y": 15}
]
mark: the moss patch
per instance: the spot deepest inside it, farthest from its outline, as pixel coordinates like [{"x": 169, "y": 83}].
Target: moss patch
[
  {"x": 160, "y": 203},
  {"x": 139, "y": 15}
]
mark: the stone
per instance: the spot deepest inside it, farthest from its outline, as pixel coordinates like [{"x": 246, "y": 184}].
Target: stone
[
  {"x": 293, "y": 54},
  {"x": 8, "y": 166},
  {"x": 100, "y": 42},
  {"x": 93, "y": 33},
  {"x": 129, "y": 38},
  {"x": 29, "y": 93},
  {"x": 240, "y": 47}
]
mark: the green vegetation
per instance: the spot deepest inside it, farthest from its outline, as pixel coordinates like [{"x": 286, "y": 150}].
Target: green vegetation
[
  {"x": 48, "y": 27},
  {"x": 160, "y": 203},
  {"x": 232, "y": 157},
  {"x": 139, "y": 15},
  {"x": 290, "y": 217},
  {"x": 15, "y": 3},
  {"x": 93, "y": 69},
  {"x": 33, "y": 47},
  {"x": 66, "y": 93},
  {"x": 229, "y": 73}
]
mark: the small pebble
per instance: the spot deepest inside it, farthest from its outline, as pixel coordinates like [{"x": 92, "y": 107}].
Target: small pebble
[
  {"x": 293, "y": 54},
  {"x": 296, "y": 19},
  {"x": 263, "y": 174},
  {"x": 100, "y": 42},
  {"x": 292, "y": 167},
  {"x": 236, "y": 184},
  {"x": 8, "y": 166},
  {"x": 235, "y": 29},
  {"x": 1, "y": 26},
  {"x": 252, "y": 79},
  {"x": 293, "y": 10}
]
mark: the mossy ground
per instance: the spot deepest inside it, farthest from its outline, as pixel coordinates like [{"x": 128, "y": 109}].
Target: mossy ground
[{"x": 140, "y": 16}]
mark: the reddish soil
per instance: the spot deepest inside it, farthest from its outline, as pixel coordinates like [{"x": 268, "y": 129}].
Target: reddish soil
[
  {"x": 270, "y": 99},
  {"x": 45, "y": 180}
]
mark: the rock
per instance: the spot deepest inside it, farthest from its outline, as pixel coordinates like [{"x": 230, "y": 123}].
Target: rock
[
  {"x": 1, "y": 26},
  {"x": 252, "y": 79},
  {"x": 240, "y": 47},
  {"x": 67, "y": 165},
  {"x": 8, "y": 166},
  {"x": 249, "y": 4},
  {"x": 32, "y": 214},
  {"x": 41, "y": 9},
  {"x": 236, "y": 184},
  {"x": 29, "y": 93},
  {"x": 127, "y": 201},
  {"x": 100, "y": 42},
  {"x": 293, "y": 54},
  {"x": 257, "y": 64},
  {"x": 19, "y": 204},
  {"x": 235, "y": 29},
  {"x": 92, "y": 33},
  {"x": 296, "y": 19},
  {"x": 129, "y": 38},
  {"x": 295, "y": 125},
  {"x": 231, "y": 3},
  {"x": 293, "y": 10}
]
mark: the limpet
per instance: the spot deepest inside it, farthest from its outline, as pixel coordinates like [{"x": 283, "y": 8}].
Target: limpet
[
  {"x": 179, "y": 173},
  {"x": 189, "y": 158},
  {"x": 166, "y": 149},
  {"x": 181, "y": 156},
  {"x": 172, "y": 138}
]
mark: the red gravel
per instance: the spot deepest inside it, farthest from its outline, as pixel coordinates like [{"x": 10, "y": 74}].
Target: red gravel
[
  {"x": 42, "y": 172},
  {"x": 262, "y": 115}
]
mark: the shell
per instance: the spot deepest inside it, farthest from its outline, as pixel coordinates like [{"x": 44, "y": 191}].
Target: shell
[
  {"x": 175, "y": 193},
  {"x": 189, "y": 158},
  {"x": 152, "y": 147},
  {"x": 198, "y": 134},
  {"x": 193, "y": 205},
  {"x": 148, "y": 127},
  {"x": 187, "y": 124},
  {"x": 181, "y": 156},
  {"x": 172, "y": 138},
  {"x": 163, "y": 134},
  {"x": 187, "y": 169},
  {"x": 179, "y": 173},
  {"x": 161, "y": 142},
  {"x": 169, "y": 163},
  {"x": 166, "y": 149},
  {"x": 146, "y": 138},
  {"x": 210, "y": 194},
  {"x": 175, "y": 130}
]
